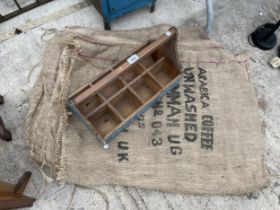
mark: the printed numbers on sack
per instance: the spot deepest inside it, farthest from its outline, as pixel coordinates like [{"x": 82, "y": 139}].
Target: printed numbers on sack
[
  {"x": 157, "y": 141},
  {"x": 156, "y": 124},
  {"x": 157, "y": 112},
  {"x": 156, "y": 135},
  {"x": 158, "y": 109}
]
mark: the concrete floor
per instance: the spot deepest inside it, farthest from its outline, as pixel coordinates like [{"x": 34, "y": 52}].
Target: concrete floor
[{"x": 234, "y": 20}]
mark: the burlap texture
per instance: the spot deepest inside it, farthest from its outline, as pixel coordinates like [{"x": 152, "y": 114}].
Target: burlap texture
[{"x": 203, "y": 137}]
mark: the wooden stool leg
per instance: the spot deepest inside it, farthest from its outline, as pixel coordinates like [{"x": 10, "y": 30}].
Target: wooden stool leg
[
  {"x": 4, "y": 133},
  {"x": 11, "y": 196},
  {"x": 22, "y": 183},
  {"x": 1, "y": 100}
]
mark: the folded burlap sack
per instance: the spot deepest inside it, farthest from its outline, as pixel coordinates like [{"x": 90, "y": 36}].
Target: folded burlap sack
[{"x": 203, "y": 137}]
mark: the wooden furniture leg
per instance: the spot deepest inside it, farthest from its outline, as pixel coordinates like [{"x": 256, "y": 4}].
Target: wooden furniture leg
[
  {"x": 1, "y": 99},
  {"x": 11, "y": 196},
  {"x": 4, "y": 133},
  {"x": 22, "y": 183}
]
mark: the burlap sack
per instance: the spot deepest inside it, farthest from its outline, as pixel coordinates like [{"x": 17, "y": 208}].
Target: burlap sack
[{"x": 203, "y": 137}]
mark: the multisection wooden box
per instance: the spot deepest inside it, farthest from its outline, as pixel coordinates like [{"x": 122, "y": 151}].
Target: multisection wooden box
[{"x": 111, "y": 102}]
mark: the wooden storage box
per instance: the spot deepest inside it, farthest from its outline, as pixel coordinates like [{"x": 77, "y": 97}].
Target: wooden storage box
[{"x": 111, "y": 102}]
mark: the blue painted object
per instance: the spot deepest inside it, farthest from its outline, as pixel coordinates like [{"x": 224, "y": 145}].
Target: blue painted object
[{"x": 112, "y": 9}]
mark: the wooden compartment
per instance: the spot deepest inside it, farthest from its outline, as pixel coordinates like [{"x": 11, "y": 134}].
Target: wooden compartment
[
  {"x": 148, "y": 61},
  {"x": 111, "y": 102},
  {"x": 111, "y": 89},
  {"x": 164, "y": 73},
  {"x": 89, "y": 104},
  {"x": 131, "y": 74},
  {"x": 126, "y": 103},
  {"x": 104, "y": 121},
  {"x": 146, "y": 88}
]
